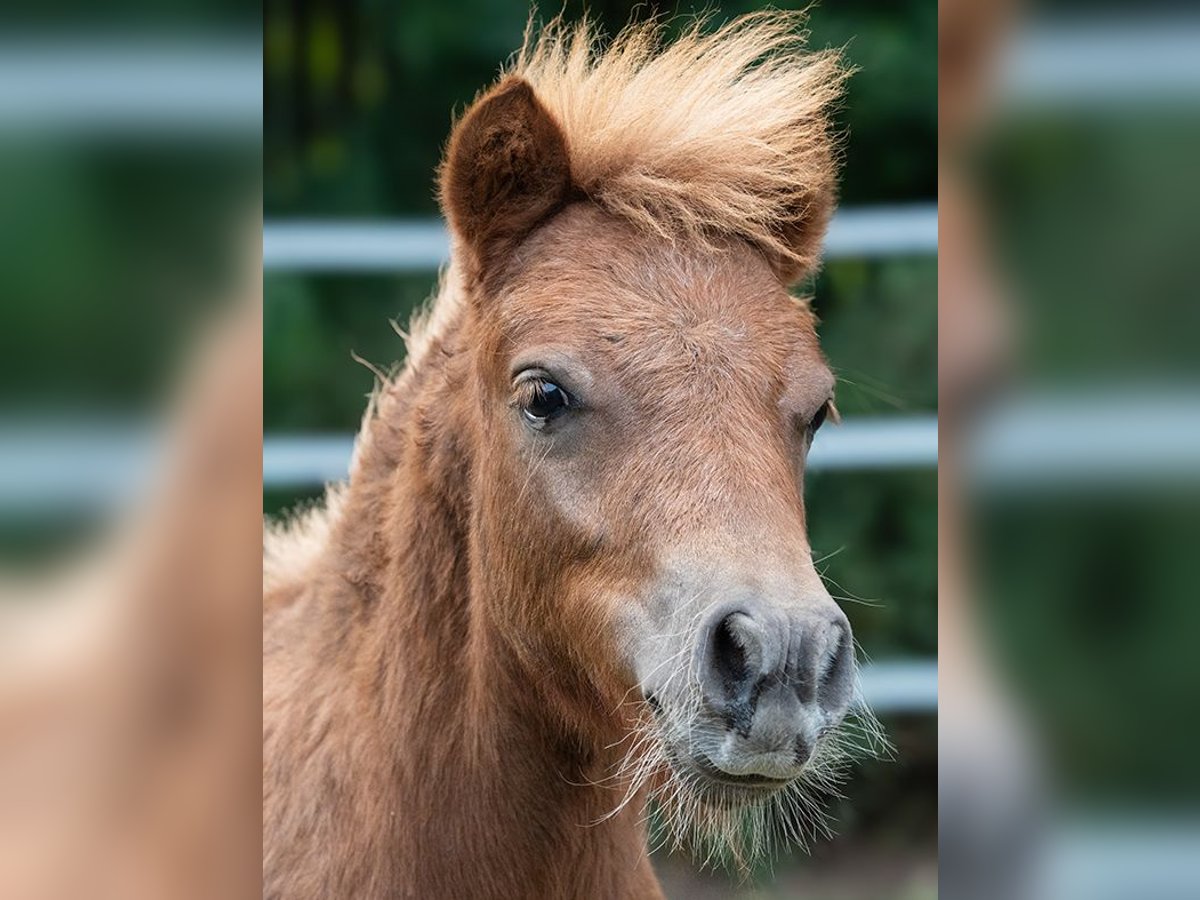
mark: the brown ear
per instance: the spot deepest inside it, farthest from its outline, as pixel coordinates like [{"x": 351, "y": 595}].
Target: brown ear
[{"x": 506, "y": 169}]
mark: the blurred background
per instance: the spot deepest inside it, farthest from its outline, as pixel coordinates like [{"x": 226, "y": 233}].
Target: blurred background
[
  {"x": 130, "y": 380},
  {"x": 1069, "y": 449},
  {"x": 359, "y": 101},
  {"x": 130, "y": 172}
]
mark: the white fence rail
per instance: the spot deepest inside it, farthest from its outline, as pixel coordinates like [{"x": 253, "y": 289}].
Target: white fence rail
[
  {"x": 1104, "y": 62},
  {"x": 130, "y": 86},
  {"x": 1043, "y": 442},
  {"x": 157, "y": 83},
  {"x": 423, "y": 245},
  {"x": 901, "y": 686},
  {"x": 54, "y": 470},
  {"x": 299, "y": 461}
]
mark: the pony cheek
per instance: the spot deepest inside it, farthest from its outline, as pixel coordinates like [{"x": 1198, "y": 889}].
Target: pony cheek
[
  {"x": 632, "y": 629},
  {"x": 567, "y": 492}
]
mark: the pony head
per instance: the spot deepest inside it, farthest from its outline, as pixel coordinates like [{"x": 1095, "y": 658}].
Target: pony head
[{"x": 626, "y": 223}]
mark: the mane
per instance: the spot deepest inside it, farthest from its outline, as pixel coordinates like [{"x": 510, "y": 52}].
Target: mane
[
  {"x": 724, "y": 132},
  {"x": 293, "y": 545}
]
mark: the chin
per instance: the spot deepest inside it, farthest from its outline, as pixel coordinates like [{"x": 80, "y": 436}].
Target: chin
[{"x": 733, "y": 819}]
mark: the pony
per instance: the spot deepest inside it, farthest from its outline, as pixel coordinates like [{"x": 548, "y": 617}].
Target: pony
[{"x": 568, "y": 578}]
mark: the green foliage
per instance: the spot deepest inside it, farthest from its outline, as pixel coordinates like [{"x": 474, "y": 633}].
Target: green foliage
[
  {"x": 360, "y": 95},
  {"x": 113, "y": 252},
  {"x": 1097, "y": 626}
]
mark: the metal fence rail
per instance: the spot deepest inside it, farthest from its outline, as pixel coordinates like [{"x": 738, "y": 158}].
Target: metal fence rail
[
  {"x": 48, "y": 469},
  {"x": 901, "y": 686},
  {"x": 129, "y": 86},
  {"x": 156, "y": 83},
  {"x": 420, "y": 245},
  {"x": 1104, "y": 62},
  {"x": 302, "y": 461}
]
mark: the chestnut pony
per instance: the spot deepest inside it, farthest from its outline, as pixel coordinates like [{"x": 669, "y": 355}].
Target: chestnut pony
[{"x": 569, "y": 573}]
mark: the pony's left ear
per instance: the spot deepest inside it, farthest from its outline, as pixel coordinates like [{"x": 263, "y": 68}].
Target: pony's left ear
[{"x": 506, "y": 170}]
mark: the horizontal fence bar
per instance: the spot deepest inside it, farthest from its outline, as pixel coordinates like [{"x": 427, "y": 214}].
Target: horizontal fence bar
[
  {"x": 1108, "y": 438},
  {"x": 1038, "y": 443},
  {"x": 127, "y": 85},
  {"x": 54, "y": 470},
  {"x": 1116, "y": 854},
  {"x": 423, "y": 245},
  {"x": 900, "y": 686},
  {"x": 354, "y": 246},
  {"x": 158, "y": 82},
  {"x": 305, "y": 461},
  {"x": 1103, "y": 62}
]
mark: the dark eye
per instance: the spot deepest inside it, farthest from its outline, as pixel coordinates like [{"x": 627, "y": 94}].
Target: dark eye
[
  {"x": 827, "y": 409},
  {"x": 819, "y": 419},
  {"x": 543, "y": 401}
]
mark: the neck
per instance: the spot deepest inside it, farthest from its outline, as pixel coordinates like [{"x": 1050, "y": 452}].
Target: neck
[{"x": 484, "y": 771}]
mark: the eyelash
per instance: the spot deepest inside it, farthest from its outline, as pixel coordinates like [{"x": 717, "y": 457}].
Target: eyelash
[
  {"x": 523, "y": 392},
  {"x": 538, "y": 388}
]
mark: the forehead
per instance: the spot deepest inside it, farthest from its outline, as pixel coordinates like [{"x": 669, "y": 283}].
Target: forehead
[{"x": 587, "y": 280}]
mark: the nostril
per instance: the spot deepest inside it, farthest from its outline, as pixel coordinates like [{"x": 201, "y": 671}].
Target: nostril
[
  {"x": 836, "y": 683},
  {"x": 729, "y": 658},
  {"x": 803, "y": 750}
]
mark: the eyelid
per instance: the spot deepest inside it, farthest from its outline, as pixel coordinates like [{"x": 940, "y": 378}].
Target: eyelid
[
  {"x": 533, "y": 373},
  {"x": 564, "y": 368}
]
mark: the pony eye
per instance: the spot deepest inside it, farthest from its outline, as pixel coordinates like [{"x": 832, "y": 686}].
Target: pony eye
[
  {"x": 819, "y": 419},
  {"x": 545, "y": 401},
  {"x": 827, "y": 409}
]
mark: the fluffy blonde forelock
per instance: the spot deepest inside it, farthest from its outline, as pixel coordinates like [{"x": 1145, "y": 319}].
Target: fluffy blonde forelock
[{"x": 723, "y": 131}]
